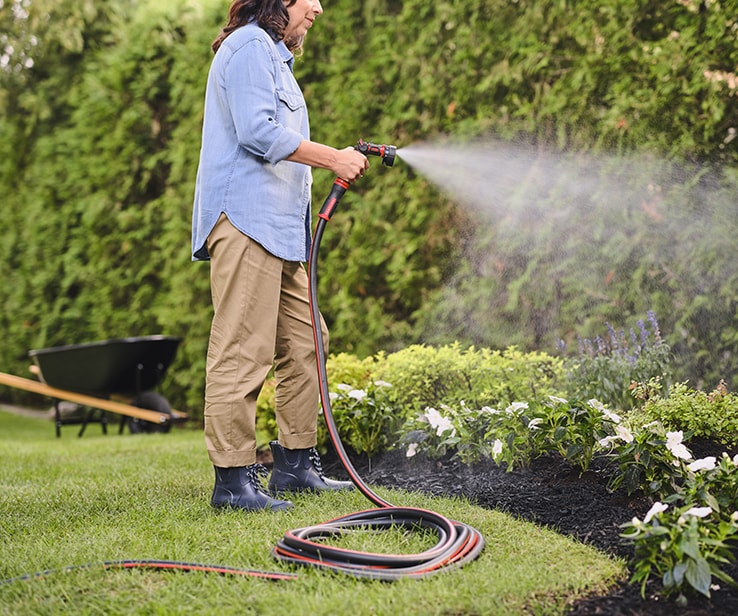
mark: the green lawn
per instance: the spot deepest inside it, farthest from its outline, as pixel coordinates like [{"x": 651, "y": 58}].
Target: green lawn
[{"x": 84, "y": 501}]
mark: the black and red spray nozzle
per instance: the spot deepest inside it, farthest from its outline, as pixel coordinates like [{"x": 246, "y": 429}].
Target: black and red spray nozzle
[{"x": 386, "y": 152}]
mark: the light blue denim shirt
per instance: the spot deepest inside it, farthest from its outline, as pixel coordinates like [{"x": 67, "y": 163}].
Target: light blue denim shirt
[{"x": 255, "y": 116}]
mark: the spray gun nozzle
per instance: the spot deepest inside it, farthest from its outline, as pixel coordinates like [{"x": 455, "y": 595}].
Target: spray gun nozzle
[{"x": 386, "y": 152}]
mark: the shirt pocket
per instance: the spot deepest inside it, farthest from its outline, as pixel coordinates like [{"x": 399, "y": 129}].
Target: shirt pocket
[{"x": 291, "y": 109}]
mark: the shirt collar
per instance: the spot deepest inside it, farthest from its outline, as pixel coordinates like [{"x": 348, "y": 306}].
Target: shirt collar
[{"x": 285, "y": 54}]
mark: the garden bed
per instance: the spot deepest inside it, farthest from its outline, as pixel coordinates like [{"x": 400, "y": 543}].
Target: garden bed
[{"x": 551, "y": 493}]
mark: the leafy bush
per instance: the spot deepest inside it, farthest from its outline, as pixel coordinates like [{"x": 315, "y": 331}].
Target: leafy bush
[
  {"x": 452, "y": 431},
  {"x": 364, "y": 419},
  {"x": 425, "y": 376},
  {"x": 686, "y": 539},
  {"x": 647, "y": 458},
  {"x": 351, "y": 370},
  {"x": 711, "y": 415},
  {"x": 374, "y": 398},
  {"x": 515, "y": 435}
]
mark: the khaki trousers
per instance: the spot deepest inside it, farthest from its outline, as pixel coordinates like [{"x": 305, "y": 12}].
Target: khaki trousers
[{"x": 261, "y": 320}]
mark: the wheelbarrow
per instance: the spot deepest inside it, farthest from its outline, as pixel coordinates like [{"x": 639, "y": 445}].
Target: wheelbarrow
[{"x": 110, "y": 376}]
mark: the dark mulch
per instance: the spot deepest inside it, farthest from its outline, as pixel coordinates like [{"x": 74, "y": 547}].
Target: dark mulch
[{"x": 551, "y": 493}]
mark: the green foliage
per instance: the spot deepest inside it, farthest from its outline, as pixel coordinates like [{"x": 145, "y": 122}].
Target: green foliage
[
  {"x": 425, "y": 376},
  {"x": 711, "y": 415},
  {"x": 351, "y": 370},
  {"x": 454, "y": 432},
  {"x": 575, "y": 429},
  {"x": 374, "y": 399},
  {"x": 682, "y": 548},
  {"x": 647, "y": 458},
  {"x": 515, "y": 435},
  {"x": 687, "y": 539},
  {"x": 364, "y": 418}
]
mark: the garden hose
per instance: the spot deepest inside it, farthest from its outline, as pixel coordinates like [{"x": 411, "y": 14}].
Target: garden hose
[{"x": 457, "y": 543}]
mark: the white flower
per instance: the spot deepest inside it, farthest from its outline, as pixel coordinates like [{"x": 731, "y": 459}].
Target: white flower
[
  {"x": 516, "y": 406},
  {"x": 333, "y": 396},
  {"x": 605, "y": 442},
  {"x": 656, "y": 508},
  {"x": 344, "y": 387},
  {"x": 704, "y": 464},
  {"x": 598, "y": 406},
  {"x": 609, "y": 415},
  {"x": 490, "y": 410},
  {"x": 381, "y": 383},
  {"x": 623, "y": 433},
  {"x": 699, "y": 512},
  {"x": 735, "y": 460},
  {"x": 675, "y": 446},
  {"x": 734, "y": 517},
  {"x": 558, "y": 400},
  {"x": 357, "y": 394},
  {"x": 497, "y": 448},
  {"x": 412, "y": 449},
  {"x": 533, "y": 423},
  {"x": 440, "y": 423}
]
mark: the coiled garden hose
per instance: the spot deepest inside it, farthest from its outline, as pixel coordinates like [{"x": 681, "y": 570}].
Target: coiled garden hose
[{"x": 457, "y": 543}]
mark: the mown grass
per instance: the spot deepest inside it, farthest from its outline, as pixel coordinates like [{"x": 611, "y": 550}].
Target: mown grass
[{"x": 84, "y": 501}]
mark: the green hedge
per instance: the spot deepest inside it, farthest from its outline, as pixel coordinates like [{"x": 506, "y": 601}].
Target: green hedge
[{"x": 99, "y": 141}]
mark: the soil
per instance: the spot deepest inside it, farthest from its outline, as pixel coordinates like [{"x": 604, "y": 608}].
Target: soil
[{"x": 552, "y": 493}]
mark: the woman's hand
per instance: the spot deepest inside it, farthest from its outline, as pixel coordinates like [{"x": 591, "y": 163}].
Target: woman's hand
[{"x": 350, "y": 164}]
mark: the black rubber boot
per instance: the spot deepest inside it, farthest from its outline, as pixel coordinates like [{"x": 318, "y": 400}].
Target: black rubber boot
[
  {"x": 299, "y": 470},
  {"x": 240, "y": 488}
]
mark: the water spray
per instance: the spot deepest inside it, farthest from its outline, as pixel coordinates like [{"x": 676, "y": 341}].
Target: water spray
[{"x": 457, "y": 543}]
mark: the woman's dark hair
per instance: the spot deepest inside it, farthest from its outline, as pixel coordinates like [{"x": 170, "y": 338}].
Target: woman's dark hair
[{"x": 271, "y": 15}]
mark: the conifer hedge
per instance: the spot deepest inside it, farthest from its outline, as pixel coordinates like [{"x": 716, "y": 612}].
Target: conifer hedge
[{"x": 99, "y": 139}]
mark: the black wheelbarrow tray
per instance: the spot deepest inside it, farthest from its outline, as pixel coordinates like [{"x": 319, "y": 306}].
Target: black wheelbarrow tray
[{"x": 110, "y": 376}]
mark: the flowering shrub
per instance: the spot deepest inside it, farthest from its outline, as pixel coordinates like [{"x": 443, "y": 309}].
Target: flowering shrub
[
  {"x": 605, "y": 366},
  {"x": 363, "y": 417},
  {"x": 685, "y": 545},
  {"x": 648, "y": 458},
  {"x": 516, "y": 435},
  {"x": 686, "y": 536},
  {"x": 576, "y": 430},
  {"x": 438, "y": 433}
]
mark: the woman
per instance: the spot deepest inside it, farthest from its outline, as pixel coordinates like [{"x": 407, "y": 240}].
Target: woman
[{"x": 252, "y": 221}]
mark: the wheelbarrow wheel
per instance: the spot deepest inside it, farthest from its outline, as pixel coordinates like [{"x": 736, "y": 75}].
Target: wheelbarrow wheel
[{"x": 151, "y": 401}]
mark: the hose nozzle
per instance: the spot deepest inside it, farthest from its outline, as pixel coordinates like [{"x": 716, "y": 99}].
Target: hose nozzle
[{"x": 386, "y": 152}]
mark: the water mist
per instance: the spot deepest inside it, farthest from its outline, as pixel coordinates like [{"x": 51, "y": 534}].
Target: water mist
[{"x": 555, "y": 244}]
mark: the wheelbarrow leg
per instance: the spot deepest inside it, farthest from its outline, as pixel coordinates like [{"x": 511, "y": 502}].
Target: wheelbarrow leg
[
  {"x": 88, "y": 418},
  {"x": 57, "y": 418}
]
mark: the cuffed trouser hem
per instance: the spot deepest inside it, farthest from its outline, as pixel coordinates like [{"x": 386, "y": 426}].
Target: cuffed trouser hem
[
  {"x": 232, "y": 459},
  {"x": 299, "y": 441}
]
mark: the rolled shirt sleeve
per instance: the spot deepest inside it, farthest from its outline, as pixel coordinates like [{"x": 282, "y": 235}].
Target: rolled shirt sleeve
[{"x": 252, "y": 93}]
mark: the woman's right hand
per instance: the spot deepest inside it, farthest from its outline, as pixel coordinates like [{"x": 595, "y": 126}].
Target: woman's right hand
[{"x": 350, "y": 164}]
